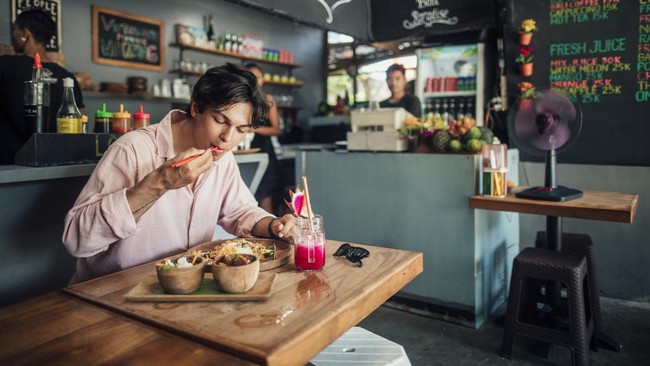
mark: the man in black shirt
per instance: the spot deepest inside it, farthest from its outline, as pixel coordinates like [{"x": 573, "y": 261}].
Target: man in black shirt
[
  {"x": 396, "y": 79},
  {"x": 31, "y": 31}
]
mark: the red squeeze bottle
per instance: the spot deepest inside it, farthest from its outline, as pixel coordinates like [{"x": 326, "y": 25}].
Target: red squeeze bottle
[{"x": 140, "y": 119}]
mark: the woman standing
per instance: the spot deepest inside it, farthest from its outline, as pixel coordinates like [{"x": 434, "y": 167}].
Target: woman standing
[{"x": 270, "y": 184}]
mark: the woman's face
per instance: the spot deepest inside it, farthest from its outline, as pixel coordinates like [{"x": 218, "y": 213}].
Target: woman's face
[
  {"x": 396, "y": 82},
  {"x": 224, "y": 129},
  {"x": 258, "y": 75}
]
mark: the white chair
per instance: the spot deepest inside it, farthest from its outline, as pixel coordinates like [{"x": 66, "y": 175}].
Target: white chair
[{"x": 361, "y": 347}]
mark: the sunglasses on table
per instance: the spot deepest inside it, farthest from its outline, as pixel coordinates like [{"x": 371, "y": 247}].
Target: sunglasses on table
[{"x": 353, "y": 254}]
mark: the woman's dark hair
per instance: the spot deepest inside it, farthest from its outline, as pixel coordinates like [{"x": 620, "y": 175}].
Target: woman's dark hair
[
  {"x": 224, "y": 86},
  {"x": 250, "y": 65},
  {"x": 395, "y": 67},
  {"x": 39, "y": 22}
]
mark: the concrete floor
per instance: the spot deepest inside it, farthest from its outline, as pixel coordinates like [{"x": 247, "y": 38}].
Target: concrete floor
[{"x": 430, "y": 341}]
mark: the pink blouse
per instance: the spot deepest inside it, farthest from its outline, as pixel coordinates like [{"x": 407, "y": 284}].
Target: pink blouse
[{"x": 102, "y": 233}]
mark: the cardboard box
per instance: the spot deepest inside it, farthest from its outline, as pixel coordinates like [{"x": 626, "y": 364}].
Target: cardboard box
[{"x": 376, "y": 141}]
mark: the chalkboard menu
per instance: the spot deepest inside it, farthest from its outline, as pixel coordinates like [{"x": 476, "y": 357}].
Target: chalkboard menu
[
  {"x": 597, "y": 52},
  {"x": 391, "y": 20},
  {"x": 53, "y": 7},
  {"x": 127, "y": 40}
]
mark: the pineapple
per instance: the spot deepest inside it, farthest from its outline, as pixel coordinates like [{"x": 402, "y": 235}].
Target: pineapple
[{"x": 441, "y": 141}]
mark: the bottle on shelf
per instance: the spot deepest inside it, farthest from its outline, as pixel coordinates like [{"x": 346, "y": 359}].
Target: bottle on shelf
[
  {"x": 103, "y": 120},
  {"x": 121, "y": 121},
  {"x": 444, "y": 112},
  {"x": 452, "y": 111},
  {"x": 212, "y": 37},
  {"x": 36, "y": 100},
  {"x": 470, "y": 107},
  {"x": 460, "y": 112},
  {"x": 141, "y": 119},
  {"x": 227, "y": 45},
  {"x": 68, "y": 118}
]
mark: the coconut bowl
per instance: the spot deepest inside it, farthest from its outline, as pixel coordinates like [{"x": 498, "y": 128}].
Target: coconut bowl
[
  {"x": 234, "y": 276},
  {"x": 180, "y": 281}
]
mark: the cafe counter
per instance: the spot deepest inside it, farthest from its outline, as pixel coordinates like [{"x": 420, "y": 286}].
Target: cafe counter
[
  {"x": 33, "y": 205},
  {"x": 418, "y": 202}
]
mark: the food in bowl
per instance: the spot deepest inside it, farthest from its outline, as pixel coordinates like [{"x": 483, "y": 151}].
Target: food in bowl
[
  {"x": 240, "y": 246},
  {"x": 182, "y": 275},
  {"x": 236, "y": 273}
]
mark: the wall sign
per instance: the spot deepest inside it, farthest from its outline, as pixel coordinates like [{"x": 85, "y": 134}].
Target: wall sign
[
  {"x": 598, "y": 54},
  {"x": 392, "y": 20},
  {"x": 51, "y": 6},
  {"x": 127, "y": 40}
]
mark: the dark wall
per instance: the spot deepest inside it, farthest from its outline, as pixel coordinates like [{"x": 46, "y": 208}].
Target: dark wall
[{"x": 600, "y": 57}]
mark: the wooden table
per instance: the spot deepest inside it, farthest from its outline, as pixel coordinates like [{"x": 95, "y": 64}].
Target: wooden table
[
  {"x": 593, "y": 205},
  {"x": 306, "y": 312},
  {"x": 62, "y": 330}
]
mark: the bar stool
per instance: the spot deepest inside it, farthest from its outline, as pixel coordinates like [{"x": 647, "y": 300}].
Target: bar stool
[
  {"x": 581, "y": 244},
  {"x": 566, "y": 268}
]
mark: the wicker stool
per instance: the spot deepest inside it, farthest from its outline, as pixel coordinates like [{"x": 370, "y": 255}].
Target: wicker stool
[
  {"x": 569, "y": 269},
  {"x": 581, "y": 244}
]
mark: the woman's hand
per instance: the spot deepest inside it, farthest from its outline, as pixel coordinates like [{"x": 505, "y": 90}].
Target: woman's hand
[{"x": 282, "y": 227}]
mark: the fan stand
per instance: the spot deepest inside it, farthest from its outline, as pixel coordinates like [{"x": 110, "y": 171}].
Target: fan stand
[{"x": 551, "y": 191}]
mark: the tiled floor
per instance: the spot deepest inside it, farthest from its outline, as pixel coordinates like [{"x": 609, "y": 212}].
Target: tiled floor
[{"x": 430, "y": 341}]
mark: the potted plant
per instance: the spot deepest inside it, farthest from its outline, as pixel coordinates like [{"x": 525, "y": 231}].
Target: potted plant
[
  {"x": 525, "y": 60},
  {"x": 526, "y": 31},
  {"x": 527, "y": 92}
]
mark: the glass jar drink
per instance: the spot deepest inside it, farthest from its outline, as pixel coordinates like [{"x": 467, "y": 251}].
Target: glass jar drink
[{"x": 309, "y": 245}]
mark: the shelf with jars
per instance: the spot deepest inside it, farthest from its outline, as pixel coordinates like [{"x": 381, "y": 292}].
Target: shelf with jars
[{"x": 237, "y": 55}]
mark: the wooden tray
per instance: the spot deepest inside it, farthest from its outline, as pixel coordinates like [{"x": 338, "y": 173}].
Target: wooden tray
[
  {"x": 149, "y": 290},
  {"x": 283, "y": 252}
]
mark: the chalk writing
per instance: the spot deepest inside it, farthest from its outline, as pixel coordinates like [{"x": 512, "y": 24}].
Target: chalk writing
[{"x": 428, "y": 14}]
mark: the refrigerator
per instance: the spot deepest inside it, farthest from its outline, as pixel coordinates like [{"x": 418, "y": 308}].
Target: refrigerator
[{"x": 450, "y": 81}]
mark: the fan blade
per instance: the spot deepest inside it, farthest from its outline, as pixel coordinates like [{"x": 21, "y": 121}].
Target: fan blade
[{"x": 555, "y": 103}]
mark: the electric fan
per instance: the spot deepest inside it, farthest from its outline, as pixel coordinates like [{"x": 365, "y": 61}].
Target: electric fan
[{"x": 545, "y": 125}]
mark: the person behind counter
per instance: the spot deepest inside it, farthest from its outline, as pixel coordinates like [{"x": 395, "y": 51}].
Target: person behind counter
[
  {"x": 137, "y": 208},
  {"x": 396, "y": 79},
  {"x": 31, "y": 31},
  {"x": 270, "y": 184}
]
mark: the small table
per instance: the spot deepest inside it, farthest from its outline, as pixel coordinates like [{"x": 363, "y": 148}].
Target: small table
[
  {"x": 593, "y": 205},
  {"x": 306, "y": 312}
]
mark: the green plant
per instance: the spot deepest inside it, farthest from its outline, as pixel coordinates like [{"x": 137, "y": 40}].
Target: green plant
[
  {"x": 526, "y": 55},
  {"x": 527, "y": 90}
]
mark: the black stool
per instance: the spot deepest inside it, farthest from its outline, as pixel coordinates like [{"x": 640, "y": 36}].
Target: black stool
[
  {"x": 581, "y": 244},
  {"x": 569, "y": 269}
]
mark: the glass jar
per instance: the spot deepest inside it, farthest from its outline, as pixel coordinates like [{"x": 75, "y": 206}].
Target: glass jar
[{"x": 309, "y": 245}]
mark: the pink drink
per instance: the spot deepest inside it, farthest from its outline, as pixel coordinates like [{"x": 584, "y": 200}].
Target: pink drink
[{"x": 310, "y": 253}]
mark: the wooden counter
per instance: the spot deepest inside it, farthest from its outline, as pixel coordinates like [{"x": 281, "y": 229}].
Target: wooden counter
[
  {"x": 593, "y": 205},
  {"x": 306, "y": 312}
]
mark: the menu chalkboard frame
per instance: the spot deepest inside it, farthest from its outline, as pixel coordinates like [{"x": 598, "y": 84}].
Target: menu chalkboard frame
[{"x": 156, "y": 24}]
